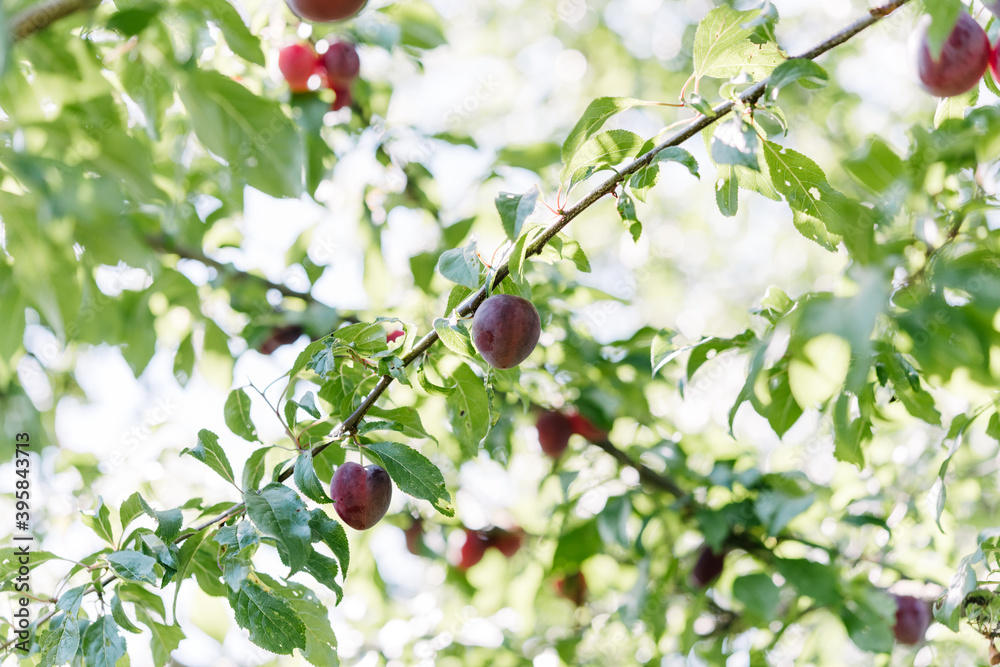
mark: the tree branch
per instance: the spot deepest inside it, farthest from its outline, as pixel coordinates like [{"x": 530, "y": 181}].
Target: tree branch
[
  {"x": 163, "y": 244},
  {"x": 42, "y": 15},
  {"x": 36, "y": 18}
]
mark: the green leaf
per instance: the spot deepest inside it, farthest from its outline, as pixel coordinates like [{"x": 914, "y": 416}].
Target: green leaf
[
  {"x": 455, "y": 337},
  {"x": 209, "y": 452},
  {"x": 602, "y": 150},
  {"x": 876, "y": 167},
  {"x": 243, "y": 42},
  {"x": 103, "y": 645},
  {"x": 576, "y": 545},
  {"x": 237, "y": 413},
  {"x": 405, "y": 419},
  {"x": 130, "y": 509},
  {"x": 815, "y": 580},
  {"x": 69, "y": 601},
  {"x": 272, "y": 622},
  {"x": 307, "y": 481},
  {"x": 593, "y": 118},
  {"x": 133, "y": 566},
  {"x": 324, "y": 570},
  {"x": 514, "y": 210},
  {"x": 993, "y": 426},
  {"x": 279, "y": 513},
  {"x": 626, "y": 211},
  {"x": 165, "y": 638},
  {"x": 321, "y": 643},
  {"x": 644, "y": 179},
  {"x": 723, "y": 47},
  {"x": 168, "y": 522},
  {"x": 758, "y": 593},
  {"x": 783, "y": 411},
  {"x": 662, "y": 349},
  {"x": 332, "y": 534},
  {"x": 735, "y": 142},
  {"x": 460, "y": 265},
  {"x": 118, "y": 612},
  {"x": 100, "y": 521},
  {"x": 790, "y": 71},
  {"x": 955, "y": 106},
  {"x": 868, "y": 616},
  {"x": 776, "y": 509},
  {"x": 944, "y": 14},
  {"x": 60, "y": 645},
  {"x": 251, "y": 133},
  {"x": 819, "y": 212},
  {"x": 414, "y": 474},
  {"x": 963, "y": 582},
  {"x": 254, "y": 469},
  {"x": 468, "y": 410},
  {"x": 430, "y": 387},
  {"x": 419, "y": 24}
]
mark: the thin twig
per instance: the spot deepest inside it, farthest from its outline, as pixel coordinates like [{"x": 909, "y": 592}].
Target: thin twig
[{"x": 42, "y": 15}]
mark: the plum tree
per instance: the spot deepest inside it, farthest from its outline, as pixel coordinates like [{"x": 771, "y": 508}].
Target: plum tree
[
  {"x": 573, "y": 587},
  {"x": 554, "y": 429},
  {"x": 279, "y": 336},
  {"x": 505, "y": 329},
  {"x": 962, "y": 62},
  {"x": 342, "y": 63},
  {"x": 298, "y": 62},
  {"x": 325, "y": 10},
  {"x": 476, "y": 543},
  {"x": 995, "y": 61},
  {"x": 913, "y": 617},
  {"x": 361, "y": 495},
  {"x": 708, "y": 566}
]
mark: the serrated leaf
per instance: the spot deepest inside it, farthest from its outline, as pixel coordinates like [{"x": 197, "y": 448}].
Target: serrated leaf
[
  {"x": 414, "y": 474},
  {"x": 460, "y": 265},
  {"x": 307, "y": 481},
  {"x": 279, "y": 513},
  {"x": 468, "y": 410},
  {"x": 332, "y": 534},
  {"x": 321, "y": 643},
  {"x": 69, "y": 601},
  {"x": 100, "y": 521},
  {"x": 272, "y": 622},
  {"x": 455, "y": 337},
  {"x": 237, "y": 413},
  {"x": 60, "y": 645},
  {"x": 514, "y": 210},
  {"x": 593, "y": 118},
  {"x": 324, "y": 570},
  {"x": 133, "y": 566},
  {"x": 209, "y": 452},
  {"x": 723, "y": 47},
  {"x": 103, "y": 645},
  {"x": 168, "y": 522},
  {"x": 820, "y": 213}
]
